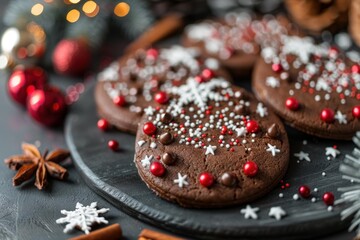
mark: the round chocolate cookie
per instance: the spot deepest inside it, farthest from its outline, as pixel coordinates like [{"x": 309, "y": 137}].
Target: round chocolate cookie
[
  {"x": 213, "y": 145},
  {"x": 237, "y": 39},
  {"x": 315, "y": 88},
  {"x": 127, "y": 87}
]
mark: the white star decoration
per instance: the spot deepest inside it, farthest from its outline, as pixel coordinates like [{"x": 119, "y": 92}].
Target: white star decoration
[
  {"x": 149, "y": 111},
  {"x": 145, "y": 162},
  {"x": 181, "y": 180},
  {"x": 330, "y": 151},
  {"x": 261, "y": 110},
  {"x": 240, "y": 131},
  {"x": 272, "y": 149},
  {"x": 302, "y": 156},
  {"x": 82, "y": 217},
  {"x": 277, "y": 212},
  {"x": 341, "y": 117},
  {"x": 272, "y": 82},
  {"x": 249, "y": 212},
  {"x": 210, "y": 150}
]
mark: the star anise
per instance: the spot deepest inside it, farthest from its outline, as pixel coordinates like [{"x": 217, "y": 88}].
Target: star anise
[{"x": 32, "y": 162}]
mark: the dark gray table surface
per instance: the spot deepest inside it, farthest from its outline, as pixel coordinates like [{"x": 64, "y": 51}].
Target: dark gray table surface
[{"x": 27, "y": 213}]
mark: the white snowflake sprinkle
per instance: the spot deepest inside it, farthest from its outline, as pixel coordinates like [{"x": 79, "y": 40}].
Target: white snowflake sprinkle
[
  {"x": 149, "y": 111},
  {"x": 210, "y": 150},
  {"x": 249, "y": 212},
  {"x": 341, "y": 117},
  {"x": 331, "y": 151},
  {"x": 302, "y": 156},
  {"x": 261, "y": 110},
  {"x": 181, "y": 180},
  {"x": 272, "y": 149},
  {"x": 277, "y": 212},
  {"x": 145, "y": 162},
  {"x": 141, "y": 143}
]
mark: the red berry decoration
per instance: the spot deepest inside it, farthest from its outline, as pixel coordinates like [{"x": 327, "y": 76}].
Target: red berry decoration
[
  {"x": 328, "y": 198},
  {"x": 292, "y": 104},
  {"x": 304, "y": 191},
  {"x": 119, "y": 101},
  {"x": 207, "y": 74},
  {"x": 113, "y": 145},
  {"x": 47, "y": 106},
  {"x": 71, "y": 57},
  {"x": 356, "y": 112},
  {"x": 206, "y": 179},
  {"x": 23, "y": 82},
  {"x": 276, "y": 67},
  {"x": 327, "y": 115},
  {"x": 252, "y": 126},
  {"x": 103, "y": 125},
  {"x": 157, "y": 169},
  {"x": 149, "y": 128},
  {"x": 161, "y": 97},
  {"x": 250, "y": 169}
]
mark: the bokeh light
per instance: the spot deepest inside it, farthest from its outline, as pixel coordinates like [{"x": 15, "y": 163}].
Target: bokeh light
[
  {"x": 91, "y": 9},
  {"x": 37, "y": 9},
  {"x": 73, "y": 15},
  {"x": 121, "y": 9},
  {"x": 74, "y": 1}
]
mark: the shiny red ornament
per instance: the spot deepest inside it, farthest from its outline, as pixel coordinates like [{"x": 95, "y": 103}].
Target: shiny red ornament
[
  {"x": 304, "y": 191},
  {"x": 252, "y": 126},
  {"x": 250, "y": 169},
  {"x": 161, "y": 97},
  {"x": 113, "y": 145},
  {"x": 22, "y": 82},
  {"x": 119, "y": 101},
  {"x": 207, "y": 74},
  {"x": 292, "y": 104},
  {"x": 149, "y": 128},
  {"x": 47, "y": 106},
  {"x": 356, "y": 112},
  {"x": 327, "y": 115},
  {"x": 152, "y": 53},
  {"x": 102, "y": 124},
  {"x": 71, "y": 57},
  {"x": 157, "y": 169},
  {"x": 276, "y": 67},
  {"x": 206, "y": 179},
  {"x": 328, "y": 198}
]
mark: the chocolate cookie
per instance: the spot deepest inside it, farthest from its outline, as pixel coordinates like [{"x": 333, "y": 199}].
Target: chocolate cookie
[
  {"x": 213, "y": 145},
  {"x": 128, "y": 87},
  {"x": 315, "y": 88},
  {"x": 237, "y": 39}
]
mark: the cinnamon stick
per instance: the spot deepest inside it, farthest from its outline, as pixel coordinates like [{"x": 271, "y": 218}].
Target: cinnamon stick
[
  {"x": 148, "y": 234},
  {"x": 112, "y": 232}
]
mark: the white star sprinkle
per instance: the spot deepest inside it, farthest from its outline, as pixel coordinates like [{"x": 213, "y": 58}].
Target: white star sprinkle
[
  {"x": 341, "y": 117},
  {"x": 272, "y": 149},
  {"x": 149, "y": 111},
  {"x": 210, "y": 150},
  {"x": 302, "y": 156},
  {"x": 249, "y": 212},
  {"x": 181, "y": 180},
  {"x": 330, "y": 151},
  {"x": 240, "y": 131},
  {"x": 141, "y": 143},
  {"x": 261, "y": 110},
  {"x": 272, "y": 82},
  {"x": 145, "y": 162},
  {"x": 277, "y": 212}
]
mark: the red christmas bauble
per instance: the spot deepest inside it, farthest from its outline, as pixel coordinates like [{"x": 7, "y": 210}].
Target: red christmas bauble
[
  {"x": 23, "y": 82},
  {"x": 356, "y": 112},
  {"x": 71, "y": 57},
  {"x": 250, "y": 168},
  {"x": 161, "y": 97},
  {"x": 149, "y": 128},
  {"x": 304, "y": 191},
  {"x": 102, "y": 124},
  {"x": 276, "y": 67},
  {"x": 292, "y": 104},
  {"x": 252, "y": 126},
  {"x": 47, "y": 106},
  {"x": 207, "y": 73},
  {"x": 113, "y": 145},
  {"x": 157, "y": 169},
  {"x": 327, "y": 115},
  {"x": 119, "y": 101},
  {"x": 328, "y": 198},
  {"x": 206, "y": 179}
]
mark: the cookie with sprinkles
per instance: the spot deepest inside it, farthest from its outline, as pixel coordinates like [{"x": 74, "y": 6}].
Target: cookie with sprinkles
[
  {"x": 237, "y": 39},
  {"x": 139, "y": 83},
  {"x": 315, "y": 88},
  {"x": 212, "y": 145}
]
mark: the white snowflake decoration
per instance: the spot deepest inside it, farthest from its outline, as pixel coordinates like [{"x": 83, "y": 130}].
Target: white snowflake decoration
[{"x": 83, "y": 217}]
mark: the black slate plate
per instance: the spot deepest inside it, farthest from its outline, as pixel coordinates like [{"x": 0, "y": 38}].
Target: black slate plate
[{"x": 114, "y": 177}]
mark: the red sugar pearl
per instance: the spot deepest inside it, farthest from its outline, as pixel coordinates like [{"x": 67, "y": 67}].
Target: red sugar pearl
[
  {"x": 113, "y": 145},
  {"x": 207, "y": 74},
  {"x": 119, "y": 101},
  {"x": 327, "y": 115},
  {"x": 356, "y": 112},
  {"x": 149, "y": 128},
  {"x": 103, "y": 125},
  {"x": 161, "y": 97},
  {"x": 250, "y": 169},
  {"x": 304, "y": 191},
  {"x": 292, "y": 104},
  {"x": 276, "y": 67},
  {"x": 328, "y": 198},
  {"x": 252, "y": 126},
  {"x": 206, "y": 179},
  {"x": 152, "y": 53},
  {"x": 355, "y": 68},
  {"x": 157, "y": 169},
  {"x": 199, "y": 79}
]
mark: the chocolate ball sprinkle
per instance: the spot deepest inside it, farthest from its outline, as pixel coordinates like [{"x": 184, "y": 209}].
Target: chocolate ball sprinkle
[
  {"x": 166, "y": 138},
  {"x": 166, "y": 118},
  {"x": 168, "y": 158},
  {"x": 273, "y": 131},
  {"x": 228, "y": 179}
]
